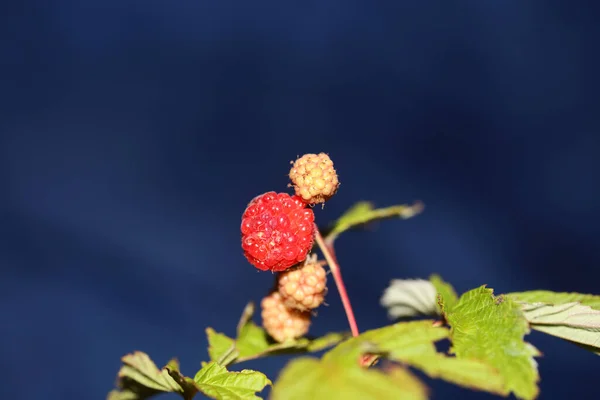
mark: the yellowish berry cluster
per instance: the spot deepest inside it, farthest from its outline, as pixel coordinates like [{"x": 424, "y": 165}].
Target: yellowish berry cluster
[
  {"x": 314, "y": 178},
  {"x": 303, "y": 288},
  {"x": 283, "y": 323}
]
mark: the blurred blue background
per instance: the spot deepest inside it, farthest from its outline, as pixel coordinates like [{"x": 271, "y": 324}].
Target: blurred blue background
[{"x": 133, "y": 134}]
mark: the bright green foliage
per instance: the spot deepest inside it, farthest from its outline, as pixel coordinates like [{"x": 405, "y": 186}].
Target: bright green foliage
[
  {"x": 416, "y": 348},
  {"x": 221, "y": 348},
  {"x": 214, "y": 381},
  {"x": 338, "y": 375},
  {"x": 187, "y": 384},
  {"x": 309, "y": 378},
  {"x": 491, "y": 329},
  {"x": 571, "y": 321},
  {"x": 446, "y": 291},
  {"x": 140, "y": 378},
  {"x": 548, "y": 297},
  {"x": 414, "y": 336},
  {"x": 363, "y": 212},
  {"x": 412, "y": 343},
  {"x": 469, "y": 373},
  {"x": 486, "y": 332},
  {"x": 253, "y": 342}
]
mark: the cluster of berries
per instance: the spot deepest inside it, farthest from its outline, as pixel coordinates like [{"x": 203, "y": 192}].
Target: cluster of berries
[{"x": 278, "y": 232}]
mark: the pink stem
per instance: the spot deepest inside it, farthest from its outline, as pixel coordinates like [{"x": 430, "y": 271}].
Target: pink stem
[{"x": 329, "y": 254}]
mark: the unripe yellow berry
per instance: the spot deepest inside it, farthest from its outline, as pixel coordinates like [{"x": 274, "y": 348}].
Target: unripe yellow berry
[
  {"x": 314, "y": 178},
  {"x": 303, "y": 288},
  {"x": 280, "y": 322}
]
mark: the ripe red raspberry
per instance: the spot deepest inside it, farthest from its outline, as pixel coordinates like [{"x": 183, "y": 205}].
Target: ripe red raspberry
[
  {"x": 314, "y": 178},
  {"x": 277, "y": 231},
  {"x": 280, "y": 322},
  {"x": 303, "y": 288}
]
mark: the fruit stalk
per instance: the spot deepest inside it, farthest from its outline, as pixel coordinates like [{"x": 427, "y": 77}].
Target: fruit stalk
[{"x": 334, "y": 267}]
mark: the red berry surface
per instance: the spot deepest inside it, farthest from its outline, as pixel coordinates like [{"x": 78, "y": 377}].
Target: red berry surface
[{"x": 277, "y": 231}]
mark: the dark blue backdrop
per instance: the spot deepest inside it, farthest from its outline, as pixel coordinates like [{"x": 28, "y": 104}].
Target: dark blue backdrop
[{"x": 133, "y": 133}]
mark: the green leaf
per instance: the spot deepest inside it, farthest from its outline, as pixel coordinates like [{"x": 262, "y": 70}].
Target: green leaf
[
  {"x": 187, "y": 384},
  {"x": 309, "y": 378},
  {"x": 471, "y": 374},
  {"x": 408, "y": 335},
  {"x": 412, "y": 343},
  {"x": 491, "y": 329},
  {"x": 140, "y": 378},
  {"x": 216, "y": 382},
  {"x": 221, "y": 348},
  {"x": 571, "y": 321},
  {"x": 409, "y": 297},
  {"x": 363, "y": 212},
  {"x": 548, "y": 297},
  {"x": 446, "y": 291},
  {"x": 140, "y": 368},
  {"x": 253, "y": 342}
]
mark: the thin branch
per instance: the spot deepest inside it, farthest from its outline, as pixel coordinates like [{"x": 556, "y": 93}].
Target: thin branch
[{"x": 329, "y": 255}]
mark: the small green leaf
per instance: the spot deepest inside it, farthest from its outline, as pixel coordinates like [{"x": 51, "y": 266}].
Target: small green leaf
[
  {"x": 571, "y": 321},
  {"x": 187, "y": 384},
  {"x": 363, "y": 212},
  {"x": 409, "y": 297},
  {"x": 309, "y": 378},
  {"x": 139, "y": 378},
  {"x": 253, "y": 342},
  {"x": 221, "y": 348},
  {"x": 139, "y": 367},
  {"x": 491, "y": 329},
  {"x": 548, "y": 297},
  {"x": 216, "y": 382},
  {"x": 446, "y": 291}
]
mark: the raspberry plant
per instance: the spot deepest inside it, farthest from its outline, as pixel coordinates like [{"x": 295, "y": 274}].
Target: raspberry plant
[{"x": 486, "y": 332}]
